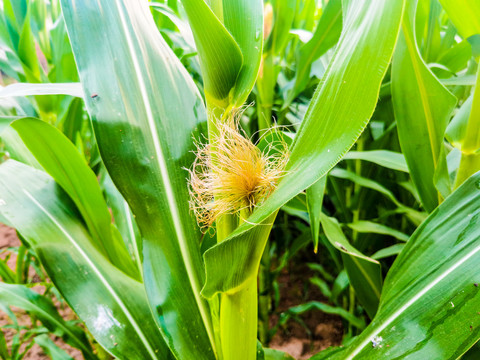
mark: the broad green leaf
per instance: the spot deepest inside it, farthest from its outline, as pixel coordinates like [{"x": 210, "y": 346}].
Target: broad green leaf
[
  {"x": 40, "y": 306},
  {"x": 385, "y": 158},
  {"x": 146, "y": 111},
  {"x": 59, "y": 157},
  {"x": 364, "y": 226},
  {"x": 364, "y": 273},
  {"x": 422, "y": 108},
  {"x": 335, "y": 118},
  {"x": 113, "y": 306},
  {"x": 253, "y": 239},
  {"x": 430, "y": 300},
  {"x": 464, "y": 15},
  {"x": 26, "y": 89}
]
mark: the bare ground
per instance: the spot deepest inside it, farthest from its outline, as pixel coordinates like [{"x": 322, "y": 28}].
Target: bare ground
[{"x": 320, "y": 330}]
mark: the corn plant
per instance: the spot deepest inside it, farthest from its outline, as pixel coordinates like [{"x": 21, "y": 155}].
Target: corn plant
[{"x": 194, "y": 199}]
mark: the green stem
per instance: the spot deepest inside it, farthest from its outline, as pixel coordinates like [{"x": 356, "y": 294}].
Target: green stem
[
  {"x": 238, "y": 322},
  {"x": 238, "y": 318},
  {"x": 470, "y": 160},
  {"x": 264, "y": 297},
  {"x": 264, "y": 117},
  {"x": 351, "y": 308},
  {"x": 19, "y": 265},
  {"x": 469, "y": 165},
  {"x": 224, "y": 226}
]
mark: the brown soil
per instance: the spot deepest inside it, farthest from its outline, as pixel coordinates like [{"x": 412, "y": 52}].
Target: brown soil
[{"x": 324, "y": 330}]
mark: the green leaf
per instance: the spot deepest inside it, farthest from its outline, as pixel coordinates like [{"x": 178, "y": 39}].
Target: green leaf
[
  {"x": 17, "y": 149},
  {"x": 245, "y": 261},
  {"x": 314, "y": 203},
  {"x": 422, "y": 108},
  {"x": 316, "y": 305},
  {"x": 3, "y": 347},
  {"x": 431, "y": 288},
  {"x": 471, "y": 142},
  {"x": 272, "y": 354},
  {"x": 229, "y": 39},
  {"x": 7, "y": 275},
  {"x": 220, "y": 56},
  {"x": 5, "y": 122},
  {"x": 50, "y": 348},
  {"x": 283, "y": 16},
  {"x": 335, "y": 118},
  {"x": 460, "y": 80},
  {"x": 470, "y": 146},
  {"x": 40, "y": 306},
  {"x": 113, "y": 306},
  {"x": 244, "y": 20},
  {"x": 26, "y": 89},
  {"x": 364, "y": 273},
  {"x": 124, "y": 219},
  {"x": 363, "y": 226},
  {"x": 60, "y": 158},
  {"x": 325, "y": 36},
  {"x": 388, "y": 251},
  {"x": 27, "y": 52},
  {"x": 145, "y": 114},
  {"x": 386, "y": 158},
  {"x": 457, "y": 128},
  {"x": 464, "y": 15},
  {"x": 365, "y": 182}
]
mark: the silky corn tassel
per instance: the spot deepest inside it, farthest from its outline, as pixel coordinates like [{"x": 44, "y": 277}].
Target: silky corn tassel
[{"x": 232, "y": 174}]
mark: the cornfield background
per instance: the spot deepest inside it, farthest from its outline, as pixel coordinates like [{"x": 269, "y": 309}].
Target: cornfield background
[{"x": 239, "y": 179}]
